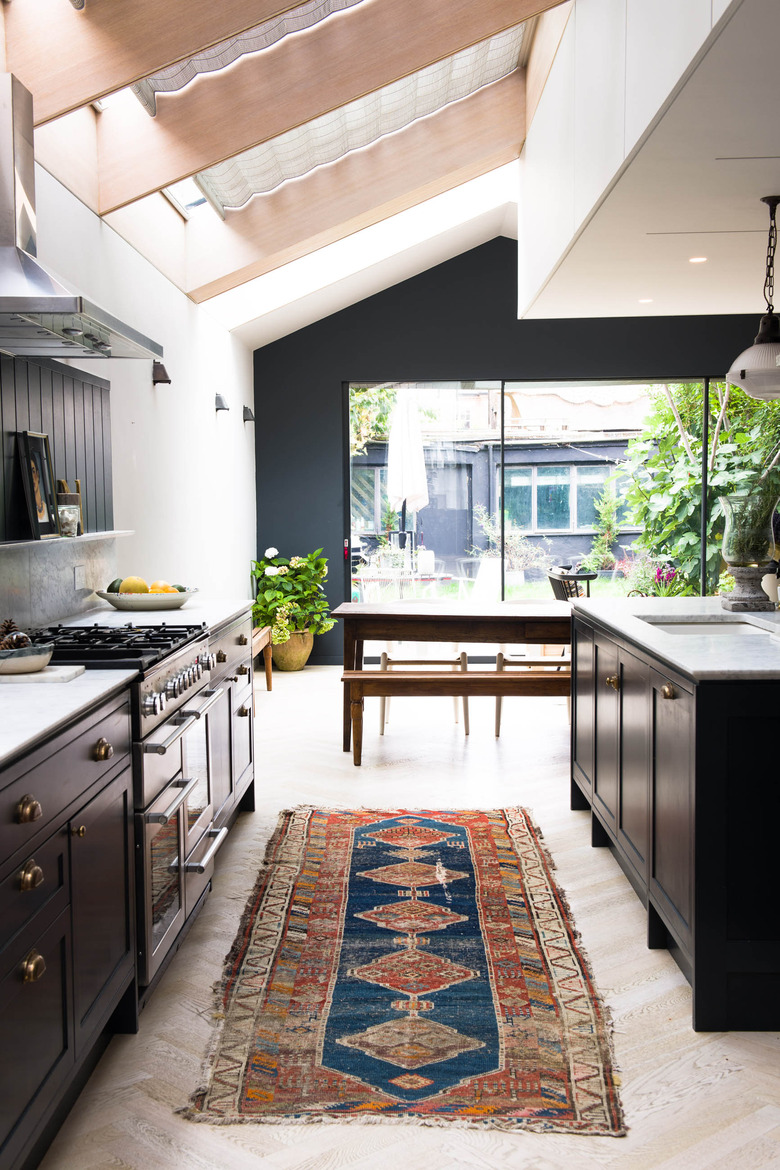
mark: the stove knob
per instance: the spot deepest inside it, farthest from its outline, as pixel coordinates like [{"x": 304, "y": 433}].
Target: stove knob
[
  {"x": 172, "y": 687},
  {"x": 154, "y": 703},
  {"x": 198, "y": 669},
  {"x": 184, "y": 682},
  {"x": 207, "y": 661},
  {"x": 191, "y": 676}
]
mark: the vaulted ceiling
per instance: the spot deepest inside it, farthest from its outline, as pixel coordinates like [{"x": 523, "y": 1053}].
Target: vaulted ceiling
[{"x": 411, "y": 97}]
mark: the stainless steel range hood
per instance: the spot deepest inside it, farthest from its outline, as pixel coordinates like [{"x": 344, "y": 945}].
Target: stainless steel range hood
[{"x": 38, "y": 316}]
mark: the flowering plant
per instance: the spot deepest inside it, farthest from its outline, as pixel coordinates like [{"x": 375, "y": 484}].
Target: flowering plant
[{"x": 289, "y": 596}]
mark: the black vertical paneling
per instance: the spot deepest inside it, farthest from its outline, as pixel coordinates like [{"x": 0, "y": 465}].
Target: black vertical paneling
[
  {"x": 108, "y": 466},
  {"x": 98, "y": 515},
  {"x": 73, "y": 410}
]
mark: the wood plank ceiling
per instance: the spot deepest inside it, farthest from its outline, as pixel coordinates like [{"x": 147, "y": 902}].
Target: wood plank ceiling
[{"x": 70, "y": 58}]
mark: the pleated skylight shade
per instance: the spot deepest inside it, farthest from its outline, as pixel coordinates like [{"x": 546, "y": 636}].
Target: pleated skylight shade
[
  {"x": 262, "y": 36},
  {"x": 232, "y": 183}
]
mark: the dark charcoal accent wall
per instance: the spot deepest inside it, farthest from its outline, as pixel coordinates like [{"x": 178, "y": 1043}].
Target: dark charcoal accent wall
[
  {"x": 73, "y": 409},
  {"x": 456, "y": 321}
]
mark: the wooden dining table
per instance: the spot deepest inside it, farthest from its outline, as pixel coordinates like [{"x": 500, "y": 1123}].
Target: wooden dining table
[{"x": 499, "y": 623}]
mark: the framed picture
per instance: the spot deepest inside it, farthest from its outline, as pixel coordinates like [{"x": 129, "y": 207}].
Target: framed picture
[{"x": 38, "y": 480}]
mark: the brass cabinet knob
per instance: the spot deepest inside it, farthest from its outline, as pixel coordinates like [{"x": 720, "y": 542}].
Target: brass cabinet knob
[
  {"x": 613, "y": 681},
  {"x": 102, "y": 750},
  {"x": 243, "y": 670},
  {"x": 81, "y": 831},
  {"x": 244, "y": 710},
  {"x": 231, "y": 678},
  {"x": 221, "y": 656},
  {"x": 28, "y": 809},
  {"x": 33, "y": 967},
  {"x": 242, "y": 639},
  {"x": 668, "y": 691},
  {"x": 31, "y": 876}
]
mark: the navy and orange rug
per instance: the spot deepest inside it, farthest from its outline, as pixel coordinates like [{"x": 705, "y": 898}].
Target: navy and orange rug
[{"x": 419, "y": 966}]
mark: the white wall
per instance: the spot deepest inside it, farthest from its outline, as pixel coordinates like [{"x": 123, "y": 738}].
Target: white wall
[
  {"x": 183, "y": 475},
  {"x": 616, "y": 67}
]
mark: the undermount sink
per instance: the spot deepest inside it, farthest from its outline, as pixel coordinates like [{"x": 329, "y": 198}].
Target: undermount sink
[{"x": 705, "y": 626}]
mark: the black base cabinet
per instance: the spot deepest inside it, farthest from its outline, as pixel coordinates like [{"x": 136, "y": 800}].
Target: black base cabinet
[
  {"x": 679, "y": 781},
  {"x": 67, "y": 922}
]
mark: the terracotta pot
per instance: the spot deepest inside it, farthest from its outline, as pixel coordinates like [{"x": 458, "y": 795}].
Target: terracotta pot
[{"x": 294, "y": 654}]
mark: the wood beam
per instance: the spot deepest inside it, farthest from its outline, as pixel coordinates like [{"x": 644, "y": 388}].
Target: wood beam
[
  {"x": 433, "y": 155},
  {"x": 300, "y": 78},
  {"x": 68, "y": 58}
]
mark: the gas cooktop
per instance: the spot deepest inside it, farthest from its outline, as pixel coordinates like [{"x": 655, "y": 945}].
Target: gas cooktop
[{"x": 128, "y": 647}]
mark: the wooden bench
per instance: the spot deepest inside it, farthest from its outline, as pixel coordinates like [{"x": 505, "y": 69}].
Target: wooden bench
[
  {"x": 385, "y": 683},
  {"x": 261, "y": 641}
]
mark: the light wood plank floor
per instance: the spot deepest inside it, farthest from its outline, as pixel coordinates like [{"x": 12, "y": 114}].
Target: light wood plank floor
[{"x": 692, "y": 1101}]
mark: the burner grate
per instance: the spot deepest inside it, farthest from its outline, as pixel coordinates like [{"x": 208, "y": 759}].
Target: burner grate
[{"x": 129, "y": 645}]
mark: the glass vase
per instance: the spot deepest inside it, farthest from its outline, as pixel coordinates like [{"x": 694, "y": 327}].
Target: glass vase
[{"x": 748, "y": 538}]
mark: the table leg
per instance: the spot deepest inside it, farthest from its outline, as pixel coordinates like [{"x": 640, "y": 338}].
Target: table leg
[
  {"x": 357, "y": 730},
  {"x": 268, "y": 662},
  {"x": 350, "y": 647}
]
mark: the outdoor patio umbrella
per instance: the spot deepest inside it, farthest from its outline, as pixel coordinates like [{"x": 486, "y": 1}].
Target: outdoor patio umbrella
[{"x": 407, "y": 481}]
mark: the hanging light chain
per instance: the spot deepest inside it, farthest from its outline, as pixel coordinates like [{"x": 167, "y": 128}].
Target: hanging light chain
[{"x": 769, "y": 282}]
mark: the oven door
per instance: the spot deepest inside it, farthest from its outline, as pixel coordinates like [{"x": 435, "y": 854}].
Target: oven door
[
  {"x": 161, "y": 890},
  {"x": 196, "y": 763}
]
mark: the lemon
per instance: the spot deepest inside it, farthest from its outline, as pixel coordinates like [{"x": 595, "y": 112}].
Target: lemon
[{"x": 133, "y": 585}]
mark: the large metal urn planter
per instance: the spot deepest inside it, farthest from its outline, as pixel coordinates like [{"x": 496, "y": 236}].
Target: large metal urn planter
[{"x": 294, "y": 653}]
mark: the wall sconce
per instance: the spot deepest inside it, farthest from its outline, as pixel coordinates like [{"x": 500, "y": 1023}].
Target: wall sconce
[
  {"x": 159, "y": 374},
  {"x": 248, "y": 416},
  {"x": 220, "y": 403},
  {"x": 757, "y": 369}
]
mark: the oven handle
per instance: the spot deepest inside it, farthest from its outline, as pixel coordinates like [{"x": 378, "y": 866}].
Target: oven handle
[
  {"x": 201, "y": 866},
  {"x": 211, "y": 700},
  {"x": 161, "y": 748},
  {"x": 162, "y": 818}
]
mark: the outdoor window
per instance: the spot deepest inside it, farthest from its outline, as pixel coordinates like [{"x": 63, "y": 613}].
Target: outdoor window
[{"x": 554, "y": 498}]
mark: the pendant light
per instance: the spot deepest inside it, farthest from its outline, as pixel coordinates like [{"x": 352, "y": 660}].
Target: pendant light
[{"x": 757, "y": 369}]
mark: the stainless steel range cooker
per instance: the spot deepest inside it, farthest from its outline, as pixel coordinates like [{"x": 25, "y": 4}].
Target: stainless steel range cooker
[{"x": 173, "y": 774}]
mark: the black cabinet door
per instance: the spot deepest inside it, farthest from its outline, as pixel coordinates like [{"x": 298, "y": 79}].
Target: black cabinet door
[
  {"x": 633, "y": 825},
  {"x": 36, "y": 1039},
  {"x": 606, "y": 676},
  {"x": 671, "y": 869},
  {"x": 102, "y": 905},
  {"x": 583, "y": 712}
]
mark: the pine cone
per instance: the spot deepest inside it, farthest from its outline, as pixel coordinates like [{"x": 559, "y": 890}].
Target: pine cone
[
  {"x": 7, "y": 627},
  {"x": 15, "y": 641}
]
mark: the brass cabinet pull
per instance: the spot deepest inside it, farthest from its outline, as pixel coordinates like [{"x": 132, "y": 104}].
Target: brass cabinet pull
[
  {"x": 31, "y": 876},
  {"x": 102, "y": 750},
  {"x": 231, "y": 678},
  {"x": 81, "y": 831},
  {"x": 668, "y": 691},
  {"x": 613, "y": 681},
  {"x": 242, "y": 639},
  {"x": 244, "y": 710},
  {"x": 33, "y": 967},
  {"x": 221, "y": 656},
  {"x": 28, "y": 809},
  {"x": 243, "y": 670}
]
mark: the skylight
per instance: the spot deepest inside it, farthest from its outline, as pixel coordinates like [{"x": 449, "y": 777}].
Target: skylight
[{"x": 232, "y": 183}]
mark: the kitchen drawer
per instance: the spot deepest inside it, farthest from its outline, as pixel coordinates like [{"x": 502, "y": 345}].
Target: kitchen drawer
[
  {"x": 36, "y": 798},
  {"x": 232, "y": 646},
  {"x": 21, "y": 899}
]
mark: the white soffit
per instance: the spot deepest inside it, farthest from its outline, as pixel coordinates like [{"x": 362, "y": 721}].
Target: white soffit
[
  {"x": 693, "y": 189},
  {"x": 343, "y": 273}
]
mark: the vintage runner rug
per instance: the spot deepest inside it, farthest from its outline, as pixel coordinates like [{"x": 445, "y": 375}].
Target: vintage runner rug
[{"x": 415, "y": 966}]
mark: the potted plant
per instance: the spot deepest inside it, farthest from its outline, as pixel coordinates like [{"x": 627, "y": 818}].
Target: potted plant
[{"x": 290, "y": 598}]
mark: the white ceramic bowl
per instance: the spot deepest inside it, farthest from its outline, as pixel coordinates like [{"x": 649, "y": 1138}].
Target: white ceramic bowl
[
  {"x": 146, "y": 601},
  {"x": 27, "y": 659}
]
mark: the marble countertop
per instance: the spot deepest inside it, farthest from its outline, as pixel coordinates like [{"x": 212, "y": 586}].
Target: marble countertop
[
  {"x": 30, "y": 713},
  {"x": 711, "y": 653}
]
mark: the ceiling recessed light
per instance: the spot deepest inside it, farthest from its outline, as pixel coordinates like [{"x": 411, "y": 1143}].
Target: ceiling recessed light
[
  {"x": 645, "y": 300},
  {"x": 698, "y": 260}
]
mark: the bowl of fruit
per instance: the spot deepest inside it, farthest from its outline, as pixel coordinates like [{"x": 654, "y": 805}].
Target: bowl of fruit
[
  {"x": 133, "y": 593},
  {"x": 18, "y": 653}
]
